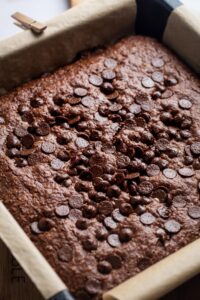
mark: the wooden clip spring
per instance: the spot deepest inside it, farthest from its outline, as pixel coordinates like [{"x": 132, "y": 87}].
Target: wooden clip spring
[{"x": 29, "y": 23}]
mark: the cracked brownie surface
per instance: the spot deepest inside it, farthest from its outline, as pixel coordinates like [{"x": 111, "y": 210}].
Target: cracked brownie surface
[{"x": 99, "y": 162}]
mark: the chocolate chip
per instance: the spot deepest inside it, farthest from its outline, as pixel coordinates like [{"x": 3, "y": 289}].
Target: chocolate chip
[
  {"x": 117, "y": 216},
  {"x": 81, "y": 142},
  {"x": 113, "y": 191},
  {"x": 123, "y": 161},
  {"x": 43, "y": 129},
  {"x": 75, "y": 214},
  {"x": 22, "y": 109},
  {"x": 147, "y": 82},
  {"x": 20, "y": 162},
  {"x": 65, "y": 254},
  {"x": 153, "y": 170},
  {"x": 20, "y": 131},
  {"x": 37, "y": 102},
  {"x": 34, "y": 158},
  {"x": 45, "y": 224},
  {"x": 101, "y": 233},
  {"x": 28, "y": 117},
  {"x": 113, "y": 240},
  {"x": 12, "y": 141},
  {"x": 48, "y": 147},
  {"x": 35, "y": 228},
  {"x": 157, "y": 77},
  {"x": 88, "y": 101},
  {"x": 62, "y": 211},
  {"x": 125, "y": 209},
  {"x": 93, "y": 286},
  {"x": 172, "y": 226},
  {"x": 110, "y": 63},
  {"x": 26, "y": 152},
  {"x": 110, "y": 223},
  {"x": 125, "y": 235},
  {"x": 80, "y": 92},
  {"x": 135, "y": 108},
  {"x": 179, "y": 201},
  {"x": 195, "y": 148},
  {"x": 2, "y": 121},
  {"x": 105, "y": 208},
  {"x": 104, "y": 267},
  {"x": 115, "y": 107},
  {"x": 12, "y": 152},
  {"x": 89, "y": 211},
  {"x": 160, "y": 194},
  {"x": 162, "y": 144},
  {"x": 186, "y": 172},
  {"x": 185, "y": 103},
  {"x": 72, "y": 101},
  {"x": 194, "y": 212},
  {"x": 113, "y": 96},
  {"x": 147, "y": 218},
  {"x": 147, "y": 106},
  {"x": 89, "y": 243},
  {"x": 143, "y": 263},
  {"x": 76, "y": 201},
  {"x": 57, "y": 164},
  {"x": 108, "y": 74},
  {"x": 163, "y": 212},
  {"x": 169, "y": 173},
  {"x": 95, "y": 80},
  {"x": 115, "y": 260},
  {"x": 99, "y": 118},
  {"x": 167, "y": 94},
  {"x": 185, "y": 134},
  {"x": 170, "y": 80},
  {"x": 145, "y": 188},
  {"x": 82, "y": 295},
  {"x": 107, "y": 88},
  {"x": 27, "y": 141},
  {"x": 157, "y": 62}
]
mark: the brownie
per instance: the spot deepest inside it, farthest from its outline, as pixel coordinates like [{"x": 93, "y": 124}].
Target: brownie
[{"x": 100, "y": 162}]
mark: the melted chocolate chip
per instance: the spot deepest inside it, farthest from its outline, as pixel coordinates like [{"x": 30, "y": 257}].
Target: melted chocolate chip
[
  {"x": 115, "y": 260},
  {"x": 34, "y": 228},
  {"x": 145, "y": 188},
  {"x": 186, "y": 172},
  {"x": 89, "y": 243},
  {"x": 108, "y": 74},
  {"x": 185, "y": 103},
  {"x": 195, "y": 148},
  {"x": 117, "y": 216},
  {"x": 163, "y": 212},
  {"x": 158, "y": 77},
  {"x": 125, "y": 235},
  {"x": 57, "y": 164},
  {"x": 104, "y": 267},
  {"x": 153, "y": 170},
  {"x": 45, "y": 224},
  {"x": 95, "y": 80},
  {"x": 172, "y": 226},
  {"x": 194, "y": 212},
  {"x": 105, "y": 208},
  {"x": 179, "y": 201},
  {"x": 48, "y": 147},
  {"x": 101, "y": 233},
  {"x": 135, "y": 108},
  {"x": 110, "y": 63},
  {"x": 113, "y": 240},
  {"x": 147, "y": 82},
  {"x": 169, "y": 173},
  {"x": 80, "y": 92},
  {"x": 76, "y": 201},
  {"x": 75, "y": 214},
  {"x": 147, "y": 218},
  {"x": 81, "y": 142},
  {"x": 160, "y": 194},
  {"x": 157, "y": 62},
  {"x": 27, "y": 141},
  {"x": 65, "y": 254},
  {"x": 88, "y": 101},
  {"x": 110, "y": 223},
  {"x": 43, "y": 129},
  {"x": 62, "y": 211}
]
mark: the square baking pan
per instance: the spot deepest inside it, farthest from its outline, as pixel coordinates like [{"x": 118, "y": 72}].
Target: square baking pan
[{"x": 92, "y": 24}]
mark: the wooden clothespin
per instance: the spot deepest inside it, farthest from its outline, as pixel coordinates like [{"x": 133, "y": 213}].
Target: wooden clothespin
[{"x": 29, "y": 23}]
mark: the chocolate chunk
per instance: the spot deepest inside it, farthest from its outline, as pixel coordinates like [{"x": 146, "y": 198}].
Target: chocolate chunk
[
  {"x": 160, "y": 194},
  {"x": 186, "y": 172},
  {"x": 2, "y": 121},
  {"x": 48, "y": 147},
  {"x": 62, "y": 211},
  {"x": 43, "y": 129},
  {"x": 157, "y": 77},
  {"x": 157, "y": 62},
  {"x": 194, "y": 212},
  {"x": 125, "y": 235},
  {"x": 65, "y": 254},
  {"x": 110, "y": 223},
  {"x": 117, "y": 216},
  {"x": 147, "y": 82},
  {"x": 167, "y": 94},
  {"x": 185, "y": 103},
  {"x": 135, "y": 108},
  {"x": 113, "y": 240},
  {"x": 115, "y": 260},
  {"x": 172, "y": 226},
  {"x": 34, "y": 159},
  {"x": 20, "y": 131},
  {"x": 101, "y": 233},
  {"x": 108, "y": 74},
  {"x": 147, "y": 218},
  {"x": 169, "y": 173},
  {"x": 80, "y": 92},
  {"x": 76, "y": 201},
  {"x": 45, "y": 224},
  {"x": 35, "y": 228},
  {"x": 110, "y": 63},
  {"x": 89, "y": 243},
  {"x": 195, "y": 148},
  {"x": 81, "y": 142},
  {"x": 82, "y": 224},
  {"x": 93, "y": 286},
  {"x": 75, "y": 214},
  {"x": 179, "y": 201},
  {"x": 57, "y": 164},
  {"x": 145, "y": 188},
  {"x": 123, "y": 161},
  {"x": 104, "y": 267},
  {"x": 105, "y": 208},
  {"x": 12, "y": 141},
  {"x": 88, "y": 101},
  {"x": 27, "y": 141},
  {"x": 153, "y": 170},
  {"x": 163, "y": 212},
  {"x": 95, "y": 80}
]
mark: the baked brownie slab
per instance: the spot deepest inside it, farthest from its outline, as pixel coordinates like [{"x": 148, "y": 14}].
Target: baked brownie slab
[{"x": 99, "y": 162}]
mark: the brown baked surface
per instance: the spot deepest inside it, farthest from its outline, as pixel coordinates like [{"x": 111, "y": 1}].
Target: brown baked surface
[{"x": 99, "y": 162}]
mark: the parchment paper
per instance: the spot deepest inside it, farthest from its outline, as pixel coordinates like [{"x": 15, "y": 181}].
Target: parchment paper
[{"x": 32, "y": 261}]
